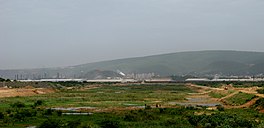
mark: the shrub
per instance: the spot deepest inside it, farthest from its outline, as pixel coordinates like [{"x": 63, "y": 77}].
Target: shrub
[
  {"x": 220, "y": 120},
  {"x": 73, "y": 124},
  {"x": 261, "y": 91},
  {"x": 59, "y": 113},
  {"x": 220, "y": 108},
  {"x": 107, "y": 123},
  {"x": 48, "y": 112},
  {"x": 131, "y": 117},
  {"x": 88, "y": 125},
  {"x": 18, "y": 105},
  {"x": 51, "y": 123},
  {"x": 148, "y": 107},
  {"x": 38, "y": 103},
  {"x": 2, "y": 115}
]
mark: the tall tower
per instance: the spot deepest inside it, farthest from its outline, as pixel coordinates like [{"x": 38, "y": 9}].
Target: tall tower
[{"x": 58, "y": 75}]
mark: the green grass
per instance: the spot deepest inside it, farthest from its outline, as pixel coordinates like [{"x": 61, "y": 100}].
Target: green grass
[
  {"x": 239, "y": 99},
  {"x": 217, "y": 95},
  {"x": 220, "y": 94},
  {"x": 107, "y": 96}
]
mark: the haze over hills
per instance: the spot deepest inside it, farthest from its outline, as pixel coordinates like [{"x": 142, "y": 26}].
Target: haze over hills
[{"x": 181, "y": 63}]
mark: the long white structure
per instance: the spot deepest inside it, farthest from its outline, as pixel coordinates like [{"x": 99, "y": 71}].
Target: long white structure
[
  {"x": 147, "y": 80},
  {"x": 53, "y": 80},
  {"x": 82, "y": 80},
  {"x": 239, "y": 80}
]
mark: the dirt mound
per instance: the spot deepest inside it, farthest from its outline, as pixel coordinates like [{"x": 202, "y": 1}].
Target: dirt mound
[
  {"x": 227, "y": 87},
  {"x": 4, "y": 92}
]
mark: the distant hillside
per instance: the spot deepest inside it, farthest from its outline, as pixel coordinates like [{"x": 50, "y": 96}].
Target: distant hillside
[{"x": 197, "y": 62}]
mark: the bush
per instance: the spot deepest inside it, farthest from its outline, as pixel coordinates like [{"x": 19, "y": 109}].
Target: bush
[
  {"x": 1, "y": 79},
  {"x": 170, "y": 122},
  {"x": 259, "y": 102},
  {"x": 88, "y": 125},
  {"x": 4, "y": 80},
  {"x": 18, "y": 105},
  {"x": 131, "y": 117},
  {"x": 220, "y": 108},
  {"x": 148, "y": 107},
  {"x": 176, "y": 111},
  {"x": 107, "y": 123},
  {"x": 59, "y": 113},
  {"x": 38, "y": 103},
  {"x": 48, "y": 112},
  {"x": 2, "y": 115},
  {"x": 261, "y": 91},
  {"x": 21, "y": 114},
  {"x": 51, "y": 123},
  {"x": 73, "y": 124},
  {"x": 220, "y": 120}
]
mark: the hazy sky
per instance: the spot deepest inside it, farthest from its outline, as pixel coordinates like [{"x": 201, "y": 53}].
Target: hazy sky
[{"x": 51, "y": 33}]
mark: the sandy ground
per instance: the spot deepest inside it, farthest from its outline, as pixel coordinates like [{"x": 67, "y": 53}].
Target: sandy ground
[{"x": 7, "y": 92}]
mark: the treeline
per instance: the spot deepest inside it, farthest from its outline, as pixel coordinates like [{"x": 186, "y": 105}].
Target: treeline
[
  {"x": 4, "y": 80},
  {"x": 191, "y": 117},
  {"x": 233, "y": 83},
  {"x": 162, "y": 117}
]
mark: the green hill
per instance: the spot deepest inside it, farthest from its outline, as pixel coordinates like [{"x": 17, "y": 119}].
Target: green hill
[{"x": 197, "y": 62}]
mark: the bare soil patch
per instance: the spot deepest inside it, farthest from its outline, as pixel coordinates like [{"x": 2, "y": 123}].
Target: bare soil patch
[{"x": 6, "y": 92}]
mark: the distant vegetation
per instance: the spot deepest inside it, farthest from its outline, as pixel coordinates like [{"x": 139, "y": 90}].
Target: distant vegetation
[
  {"x": 233, "y": 83},
  {"x": 68, "y": 84},
  {"x": 4, "y": 80}
]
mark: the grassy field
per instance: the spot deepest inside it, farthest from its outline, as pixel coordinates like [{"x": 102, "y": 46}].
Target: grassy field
[
  {"x": 121, "y": 106},
  {"x": 239, "y": 99},
  {"x": 222, "y": 94},
  {"x": 107, "y": 96}
]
